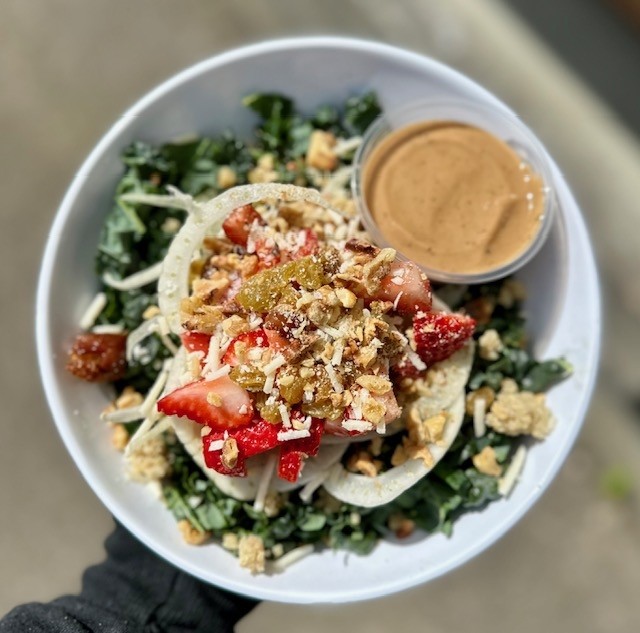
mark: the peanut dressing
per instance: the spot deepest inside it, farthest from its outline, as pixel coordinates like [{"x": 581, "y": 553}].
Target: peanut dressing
[{"x": 452, "y": 196}]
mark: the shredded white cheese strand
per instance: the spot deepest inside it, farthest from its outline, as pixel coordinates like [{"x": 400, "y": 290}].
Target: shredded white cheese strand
[
  {"x": 93, "y": 311},
  {"x": 137, "y": 280},
  {"x": 292, "y": 557},
  {"x": 108, "y": 328},
  {"x": 479, "y": 411},
  {"x": 510, "y": 477}
]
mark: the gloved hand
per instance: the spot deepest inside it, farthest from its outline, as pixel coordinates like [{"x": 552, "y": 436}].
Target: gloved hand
[{"x": 133, "y": 591}]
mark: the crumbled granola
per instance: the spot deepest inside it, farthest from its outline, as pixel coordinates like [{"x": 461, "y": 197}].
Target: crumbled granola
[
  {"x": 119, "y": 437},
  {"x": 520, "y": 412},
  {"x": 485, "y": 461},
  {"x": 363, "y": 462},
  {"x": 191, "y": 535},
  {"x": 251, "y": 553},
  {"x": 226, "y": 177},
  {"x": 148, "y": 462},
  {"x": 490, "y": 345},
  {"x": 230, "y": 541}
]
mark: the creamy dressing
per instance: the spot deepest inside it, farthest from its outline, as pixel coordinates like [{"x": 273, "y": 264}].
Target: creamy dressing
[{"x": 452, "y": 197}]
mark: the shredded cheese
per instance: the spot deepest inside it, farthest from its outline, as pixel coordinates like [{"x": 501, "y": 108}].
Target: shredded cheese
[
  {"x": 137, "y": 280},
  {"x": 93, "y": 311},
  {"x": 286, "y": 436},
  {"x": 216, "y": 445},
  {"x": 479, "y": 411},
  {"x": 510, "y": 477},
  {"x": 284, "y": 414},
  {"x": 218, "y": 373},
  {"x": 356, "y": 425},
  {"x": 292, "y": 557},
  {"x": 275, "y": 364},
  {"x": 107, "y": 329},
  {"x": 333, "y": 378}
]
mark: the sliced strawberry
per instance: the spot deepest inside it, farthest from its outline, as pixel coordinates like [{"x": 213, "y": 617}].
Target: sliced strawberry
[
  {"x": 248, "y": 340},
  {"x": 289, "y": 465},
  {"x": 251, "y": 440},
  {"x": 402, "y": 367},
  {"x": 197, "y": 401},
  {"x": 239, "y": 222},
  {"x": 408, "y": 282},
  {"x": 440, "y": 334},
  {"x": 267, "y": 251},
  {"x": 195, "y": 341},
  {"x": 306, "y": 241},
  {"x": 294, "y": 452}
]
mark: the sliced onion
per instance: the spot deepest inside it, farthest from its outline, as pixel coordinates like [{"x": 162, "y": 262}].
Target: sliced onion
[
  {"x": 173, "y": 285},
  {"x": 370, "y": 492}
]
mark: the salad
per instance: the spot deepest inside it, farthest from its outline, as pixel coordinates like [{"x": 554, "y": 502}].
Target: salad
[{"x": 281, "y": 382}]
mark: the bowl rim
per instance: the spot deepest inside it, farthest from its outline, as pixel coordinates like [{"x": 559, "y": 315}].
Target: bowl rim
[{"x": 49, "y": 367}]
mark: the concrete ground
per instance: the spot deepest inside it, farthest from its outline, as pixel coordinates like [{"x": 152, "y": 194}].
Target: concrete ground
[{"x": 69, "y": 68}]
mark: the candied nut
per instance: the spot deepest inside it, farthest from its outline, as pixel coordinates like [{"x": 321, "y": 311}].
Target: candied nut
[
  {"x": 234, "y": 326},
  {"x": 251, "y": 553},
  {"x": 376, "y": 385},
  {"x": 230, "y": 452},
  {"x": 192, "y": 535},
  {"x": 347, "y": 298},
  {"x": 321, "y": 154},
  {"x": 119, "y": 437},
  {"x": 226, "y": 177},
  {"x": 485, "y": 462},
  {"x": 486, "y": 393}
]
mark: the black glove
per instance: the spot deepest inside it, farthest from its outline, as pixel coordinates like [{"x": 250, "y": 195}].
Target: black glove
[{"x": 133, "y": 591}]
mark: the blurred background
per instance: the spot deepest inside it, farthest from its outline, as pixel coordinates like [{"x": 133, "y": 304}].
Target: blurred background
[{"x": 68, "y": 69}]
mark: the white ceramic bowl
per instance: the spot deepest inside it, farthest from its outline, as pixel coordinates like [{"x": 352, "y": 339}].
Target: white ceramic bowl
[{"x": 563, "y": 306}]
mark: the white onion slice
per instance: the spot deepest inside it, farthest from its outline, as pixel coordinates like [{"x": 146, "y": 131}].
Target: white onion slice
[
  {"x": 370, "y": 492},
  {"x": 173, "y": 285}
]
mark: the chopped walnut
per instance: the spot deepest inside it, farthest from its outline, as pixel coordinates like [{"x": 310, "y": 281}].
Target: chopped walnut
[
  {"x": 520, "y": 412},
  {"x": 376, "y": 269},
  {"x": 366, "y": 356},
  {"x": 347, "y": 298},
  {"x": 376, "y": 385},
  {"x": 234, "y": 326},
  {"x": 191, "y": 535},
  {"x": 321, "y": 154},
  {"x": 409, "y": 450},
  {"x": 251, "y": 553},
  {"x": 429, "y": 431},
  {"x": 264, "y": 171},
  {"x": 363, "y": 462},
  {"x": 490, "y": 345},
  {"x": 148, "y": 462},
  {"x": 485, "y": 461},
  {"x": 230, "y": 452},
  {"x": 373, "y": 410}
]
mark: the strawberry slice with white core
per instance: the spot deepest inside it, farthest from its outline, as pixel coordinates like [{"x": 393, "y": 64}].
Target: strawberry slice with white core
[
  {"x": 220, "y": 404},
  {"x": 440, "y": 334},
  {"x": 407, "y": 287}
]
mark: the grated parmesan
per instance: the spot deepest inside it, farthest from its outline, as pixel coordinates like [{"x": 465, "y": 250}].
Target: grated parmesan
[
  {"x": 397, "y": 299},
  {"x": 284, "y": 414},
  {"x": 93, "y": 311}
]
